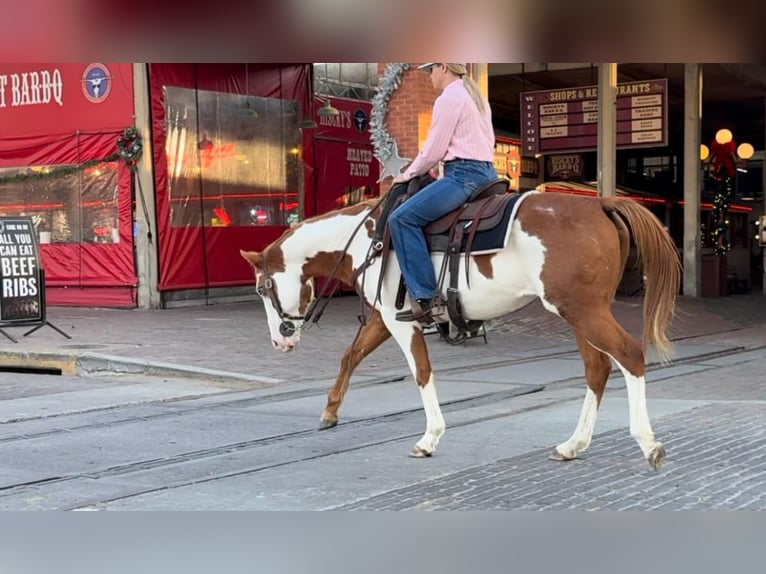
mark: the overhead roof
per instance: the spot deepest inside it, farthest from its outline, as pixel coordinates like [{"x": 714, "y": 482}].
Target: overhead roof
[{"x": 733, "y": 95}]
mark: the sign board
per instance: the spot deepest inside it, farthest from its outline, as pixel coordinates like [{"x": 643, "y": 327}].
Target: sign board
[
  {"x": 565, "y": 166},
  {"x": 566, "y": 120},
  {"x": 21, "y": 288}
]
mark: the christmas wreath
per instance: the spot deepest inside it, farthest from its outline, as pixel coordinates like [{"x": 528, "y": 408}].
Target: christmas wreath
[
  {"x": 386, "y": 148},
  {"x": 130, "y": 146}
]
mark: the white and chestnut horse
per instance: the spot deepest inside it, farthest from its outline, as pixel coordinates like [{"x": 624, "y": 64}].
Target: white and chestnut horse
[{"x": 568, "y": 251}]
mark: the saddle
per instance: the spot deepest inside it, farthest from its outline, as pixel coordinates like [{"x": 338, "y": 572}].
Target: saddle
[{"x": 487, "y": 208}]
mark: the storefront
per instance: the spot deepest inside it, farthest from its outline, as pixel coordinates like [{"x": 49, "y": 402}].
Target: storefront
[
  {"x": 228, "y": 166},
  {"x": 231, "y": 167},
  {"x": 57, "y": 117}
]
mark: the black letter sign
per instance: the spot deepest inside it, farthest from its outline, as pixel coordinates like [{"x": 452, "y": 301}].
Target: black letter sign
[{"x": 20, "y": 282}]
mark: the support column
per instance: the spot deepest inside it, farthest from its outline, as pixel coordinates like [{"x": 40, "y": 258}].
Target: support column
[
  {"x": 692, "y": 180},
  {"x": 146, "y": 235},
  {"x": 607, "y": 129},
  {"x": 480, "y": 74}
]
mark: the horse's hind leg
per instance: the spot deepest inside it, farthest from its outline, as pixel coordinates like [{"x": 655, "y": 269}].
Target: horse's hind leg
[
  {"x": 603, "y": 332},
  {"x": 597, "y": 369},
  {"x": 369, "y": 338}
]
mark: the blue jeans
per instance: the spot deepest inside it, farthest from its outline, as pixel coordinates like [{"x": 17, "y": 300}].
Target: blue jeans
[{"x": 461, "y": 178}]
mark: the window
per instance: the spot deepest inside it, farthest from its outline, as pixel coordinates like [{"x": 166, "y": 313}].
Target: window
[
  {"x": 356, "y": 81},
  {"x": 233, "y": 160},
  {"x": 66, "y": 204}
]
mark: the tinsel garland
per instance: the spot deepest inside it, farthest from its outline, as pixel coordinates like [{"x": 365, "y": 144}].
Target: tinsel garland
[
  {"x": 129, "y": 148},
  {"x": 720, "y": 225},
  {"x": 386, "y": 148}
]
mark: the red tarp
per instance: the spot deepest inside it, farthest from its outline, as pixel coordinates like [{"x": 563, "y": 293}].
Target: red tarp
[
  {"x": 199, "y": 257},
  {"x": 53, "y": 114}
]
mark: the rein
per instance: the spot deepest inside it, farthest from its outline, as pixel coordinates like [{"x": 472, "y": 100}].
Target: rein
[{"x": 314, "y": 312}]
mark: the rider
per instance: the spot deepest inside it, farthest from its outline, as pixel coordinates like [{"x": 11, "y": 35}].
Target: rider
[{"x": 461, "y": 135}]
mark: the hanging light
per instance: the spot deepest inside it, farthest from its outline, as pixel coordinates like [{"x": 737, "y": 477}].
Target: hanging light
[
  {"x": 704, "y": 152},
  {"x": 308, "y": 123},
  {"x": 327, "y": 110},
  {"x": 745, "y": 151},
  {"x": 249, "y": 110},
  {"x": 723, "y": 136},
  {"x": 204, "y": 143}
]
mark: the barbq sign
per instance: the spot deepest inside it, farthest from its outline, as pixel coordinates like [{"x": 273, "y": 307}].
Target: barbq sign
[{"x": 30, "y": 88}]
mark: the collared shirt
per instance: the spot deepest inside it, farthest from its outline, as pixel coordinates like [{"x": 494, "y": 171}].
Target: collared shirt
[{"x": 458, "y": 130}]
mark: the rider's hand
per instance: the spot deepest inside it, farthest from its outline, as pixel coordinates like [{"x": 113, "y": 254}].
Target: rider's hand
[{"x": 400, "y": 179}]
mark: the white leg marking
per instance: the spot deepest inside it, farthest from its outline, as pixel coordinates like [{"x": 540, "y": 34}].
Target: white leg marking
[
  {"x": 434, "y": 420},
  {"x": 403, "y": 334},
  {"x": 583, "y": 433},
  {"x": 640, "y": 427}
]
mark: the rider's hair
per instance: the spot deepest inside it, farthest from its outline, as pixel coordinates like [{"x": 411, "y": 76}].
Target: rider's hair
[{"x": 470, "y": 85}]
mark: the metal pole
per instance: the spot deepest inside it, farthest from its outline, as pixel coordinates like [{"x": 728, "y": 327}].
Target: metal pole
[
  {"x": 763, "y": 188},
  {"x": 692, "y": 179},
  {"x": 607, "y": 129},
  {"x": 146, "y": 235}
]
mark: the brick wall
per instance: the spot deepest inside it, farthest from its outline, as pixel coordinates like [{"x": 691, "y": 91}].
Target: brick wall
[{"x": 409, "y": 112}]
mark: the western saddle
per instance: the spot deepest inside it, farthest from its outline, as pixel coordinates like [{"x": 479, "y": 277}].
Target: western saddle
[{"x": 451, "y": 234}]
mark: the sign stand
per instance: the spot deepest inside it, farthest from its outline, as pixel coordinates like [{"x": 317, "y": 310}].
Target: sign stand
[
  {"x": 22, "y": 278},
  {"x": 8, "y": 336},
  {"x": 43, "y": 315}
]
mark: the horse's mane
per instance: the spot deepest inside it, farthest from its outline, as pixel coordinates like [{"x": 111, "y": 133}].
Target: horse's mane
[{"x": 355, "y": 209}]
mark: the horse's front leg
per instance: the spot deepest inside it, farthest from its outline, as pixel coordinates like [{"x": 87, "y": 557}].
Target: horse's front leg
[
  {"x": 413, "y": 344},
  {"x": 369, "y": 338}
]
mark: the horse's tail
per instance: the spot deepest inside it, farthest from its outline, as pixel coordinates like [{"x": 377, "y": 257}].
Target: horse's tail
[{"x": 661, "y": 269}]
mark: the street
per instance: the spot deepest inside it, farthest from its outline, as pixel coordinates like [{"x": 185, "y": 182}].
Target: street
[{"x": 136, "y": 442}]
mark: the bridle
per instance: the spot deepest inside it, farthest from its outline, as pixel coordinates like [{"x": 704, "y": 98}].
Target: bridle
[{"x": 287, "y": 327}]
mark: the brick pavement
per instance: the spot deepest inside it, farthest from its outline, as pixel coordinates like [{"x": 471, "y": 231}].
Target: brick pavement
[{"x": 716, "y": 463}]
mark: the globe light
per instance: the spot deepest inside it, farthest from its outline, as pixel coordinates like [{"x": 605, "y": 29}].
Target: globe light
[
  {"x": 704, "y": 152},
  {"x": 723, "y": 136},
  {"x": 745, "y": 151}
]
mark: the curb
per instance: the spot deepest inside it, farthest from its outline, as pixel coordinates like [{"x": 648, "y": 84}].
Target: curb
[
  {"x": 65, "y": 363},
  {"x": 94, "y": 364}
]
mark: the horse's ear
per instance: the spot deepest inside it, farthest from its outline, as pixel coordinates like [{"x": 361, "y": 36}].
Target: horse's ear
[{"x": 252, "y": 257}]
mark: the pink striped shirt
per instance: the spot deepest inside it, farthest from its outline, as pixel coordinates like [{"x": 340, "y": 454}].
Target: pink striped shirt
[{"x": 458, "y": 130}]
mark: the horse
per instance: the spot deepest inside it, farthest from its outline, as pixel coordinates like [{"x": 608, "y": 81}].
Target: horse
[{"x": 569, "y": 251}]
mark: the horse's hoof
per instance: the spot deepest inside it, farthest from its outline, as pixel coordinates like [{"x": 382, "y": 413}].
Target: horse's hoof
[
  {"x": 418, "y": 452},
  {"x": 558, "y": 457},
  {"x": 657, "y": 456},
  {"x": 325, "y": 424}
]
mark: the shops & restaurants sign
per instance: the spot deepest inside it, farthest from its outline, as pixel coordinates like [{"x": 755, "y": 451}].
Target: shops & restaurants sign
[{"x": 566, "y": 120}]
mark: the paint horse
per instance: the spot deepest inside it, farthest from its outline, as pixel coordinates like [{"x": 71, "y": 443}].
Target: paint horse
[{"x": 568, "y": 251}]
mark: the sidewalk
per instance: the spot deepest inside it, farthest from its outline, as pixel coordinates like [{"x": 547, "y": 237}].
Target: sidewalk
[{"x": 231, "y": 342}]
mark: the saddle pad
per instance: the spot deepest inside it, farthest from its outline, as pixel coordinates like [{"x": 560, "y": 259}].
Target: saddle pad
[{"x": 486, "y": 241}]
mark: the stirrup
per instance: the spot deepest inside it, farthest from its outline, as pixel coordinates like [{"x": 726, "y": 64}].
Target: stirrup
[{"x": 434, "y": 307}]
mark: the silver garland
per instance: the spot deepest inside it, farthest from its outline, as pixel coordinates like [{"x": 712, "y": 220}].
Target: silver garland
[{"x": 386, "y": 148}]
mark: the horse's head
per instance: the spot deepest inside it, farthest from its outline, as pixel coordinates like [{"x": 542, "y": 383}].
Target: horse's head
[{"x": 286, "y": 295}]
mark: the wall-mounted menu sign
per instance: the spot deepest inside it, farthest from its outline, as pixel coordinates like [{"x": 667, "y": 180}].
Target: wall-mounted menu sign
[
  {"x": 21, "y": 288},
  {"x": 566, "y": 120}
]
